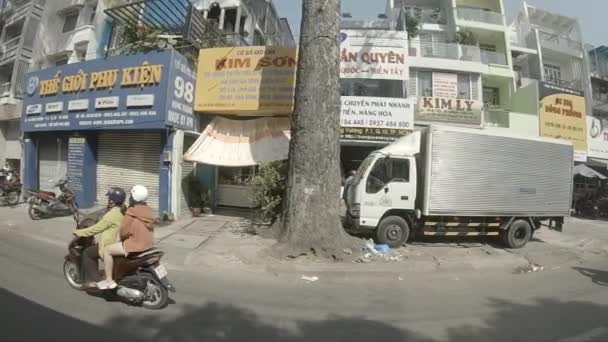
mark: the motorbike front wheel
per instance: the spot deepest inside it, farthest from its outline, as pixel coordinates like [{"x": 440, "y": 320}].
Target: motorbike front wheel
[
  {"x": 156, "y": 295},
  {"x": 72, "y": 275},
  {"x": 34, "y": 213}
]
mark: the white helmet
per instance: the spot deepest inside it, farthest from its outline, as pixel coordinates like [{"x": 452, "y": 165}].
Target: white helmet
[{"x": 139, "y": 193}]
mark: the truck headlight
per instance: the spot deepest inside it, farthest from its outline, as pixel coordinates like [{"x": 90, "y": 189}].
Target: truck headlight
[{"x": 355, "y": 210}]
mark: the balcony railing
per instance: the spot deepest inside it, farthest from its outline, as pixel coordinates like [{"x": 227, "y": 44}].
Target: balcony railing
[
  {"x": 490, "y": 57},
  {"x": 427, "y": 16},
  {"x": 479, "y": 15},
  {"x": 5, "y": 88},
  {"x": 563, "y": 83},
  {"x": 496, "y": 117},
  {"x": 552, "y": 40},
  {"x": 449, "y": 51},
  {"x": 10, "y": 44}
]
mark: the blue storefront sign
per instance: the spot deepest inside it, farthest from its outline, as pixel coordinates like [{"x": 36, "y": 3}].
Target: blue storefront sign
[{"x": 152, "y": 90}]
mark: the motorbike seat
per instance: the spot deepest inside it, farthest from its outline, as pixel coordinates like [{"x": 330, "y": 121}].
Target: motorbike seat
[
  {"x": 49, "y": 193},
  {"x": 145, "y": 253}
]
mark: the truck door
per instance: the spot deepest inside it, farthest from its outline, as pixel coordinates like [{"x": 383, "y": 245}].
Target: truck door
[{"x": 388, "y": 186}]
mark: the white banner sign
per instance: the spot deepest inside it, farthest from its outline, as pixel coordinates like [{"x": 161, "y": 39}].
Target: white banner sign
[
  {"x": 445, "y": 85},
  {"x": 373, "y": 54},
  {"x": 377, "y": 112},
  {"x": 597, "y": 137}
]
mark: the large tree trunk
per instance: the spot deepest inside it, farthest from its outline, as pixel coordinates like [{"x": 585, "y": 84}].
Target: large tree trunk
[{"x": 310, "y": 222}]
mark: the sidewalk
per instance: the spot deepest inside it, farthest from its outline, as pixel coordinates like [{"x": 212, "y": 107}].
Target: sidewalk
[{"x": 225, "y": 243}]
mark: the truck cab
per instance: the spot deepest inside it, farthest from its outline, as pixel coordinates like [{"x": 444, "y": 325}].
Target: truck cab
[{"x": 385, "y": 185}]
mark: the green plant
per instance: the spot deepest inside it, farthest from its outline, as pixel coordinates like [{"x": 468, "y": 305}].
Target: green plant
[
  {"x": 138, "y": 39},
  {"x": 466, "y": 37},
  {"x": 195, "y": 192},
  {"x": 412, "y": 25},
  {"x": 267, "y": 188}
]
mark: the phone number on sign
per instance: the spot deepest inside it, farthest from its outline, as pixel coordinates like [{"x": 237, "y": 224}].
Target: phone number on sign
[{"x": 375, "y": 123}]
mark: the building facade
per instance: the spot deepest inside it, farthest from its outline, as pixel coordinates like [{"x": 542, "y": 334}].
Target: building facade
[
  {"x": 37, "y": 34},
  {"x": 549, "y": 55}
]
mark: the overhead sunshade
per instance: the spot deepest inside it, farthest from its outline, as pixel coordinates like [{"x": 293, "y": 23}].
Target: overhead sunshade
[
  {"x": 241, "y": 142},
  {"x": 588, "y": 172}
]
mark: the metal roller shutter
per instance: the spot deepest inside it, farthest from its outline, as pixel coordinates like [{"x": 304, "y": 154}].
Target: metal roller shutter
[
  {"x": 53, "y": 162},
  {"x": 127, "y": 159}
]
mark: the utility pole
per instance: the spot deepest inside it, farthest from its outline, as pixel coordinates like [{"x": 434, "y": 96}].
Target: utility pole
[{"x": 310, "y": 222}]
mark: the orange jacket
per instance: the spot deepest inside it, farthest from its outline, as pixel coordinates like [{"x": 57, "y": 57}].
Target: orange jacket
[{"x": 137, "y": 229}]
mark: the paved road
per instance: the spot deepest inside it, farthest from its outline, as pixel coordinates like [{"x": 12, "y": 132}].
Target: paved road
[{"x": 564, "y": 304}]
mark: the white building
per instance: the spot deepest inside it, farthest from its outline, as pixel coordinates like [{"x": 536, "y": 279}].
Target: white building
[
  {"x": 548, "y": 50},
  {"x": 37, "y": 34}
]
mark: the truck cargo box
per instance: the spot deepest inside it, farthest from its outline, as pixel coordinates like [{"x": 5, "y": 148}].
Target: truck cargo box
[{"x": 467, "y": 172}]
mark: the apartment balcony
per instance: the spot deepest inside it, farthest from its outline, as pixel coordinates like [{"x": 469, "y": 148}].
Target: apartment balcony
[
  {"x": 10, "y": 102},
  {"x": 70, "y": 5},
  {"x": 496, "y": 117},
  {"x": 13, "y": 13},
  {"x": 448, "y": 51},
  {"x": 490, "y": 57},
  {"x": 10, "y": 49},
  {"x": 236, "y": 40},
  {"x": 427, "y": 15},
  {"x": 561, "y": 44},
  {"x": 480, "y": 16}
]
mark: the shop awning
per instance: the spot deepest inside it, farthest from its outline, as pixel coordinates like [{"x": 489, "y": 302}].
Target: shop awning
[
  {"x": 241, "y": 142},
  {"x": 595, "y": 162},
  {"x": 588, "y": 172}
]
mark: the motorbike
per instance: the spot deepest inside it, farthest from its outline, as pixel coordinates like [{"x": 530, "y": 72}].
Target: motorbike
[
  {"x": 10, "y": 187},
  {"x": 45, "y": 204},
  {"x": 141, "y": 278},
  {"x": 587, "y": 208}
]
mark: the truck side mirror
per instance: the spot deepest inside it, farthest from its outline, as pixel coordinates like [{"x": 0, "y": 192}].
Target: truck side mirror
[{"x": 386, "y": 190}]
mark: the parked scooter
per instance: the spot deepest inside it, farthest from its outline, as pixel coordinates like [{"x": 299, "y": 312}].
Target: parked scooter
[
  {"x": 141, "y": 279},
  {"x": 587, "y": 208},
  {"x": 45, "y": 204},
  {"x": 10, "y": 187}
]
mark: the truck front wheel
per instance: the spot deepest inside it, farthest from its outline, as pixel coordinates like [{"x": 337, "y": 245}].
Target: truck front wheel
[
  {"x": 393, "y": 231},
  {"x": 518, "y": 234}
]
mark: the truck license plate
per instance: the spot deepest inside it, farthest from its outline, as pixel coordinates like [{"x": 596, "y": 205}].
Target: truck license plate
[{"x": 160, "y": 271}]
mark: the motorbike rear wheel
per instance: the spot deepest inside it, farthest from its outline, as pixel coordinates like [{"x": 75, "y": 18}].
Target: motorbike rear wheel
[
  {"x": 72, "y": 275},
  {"x": 156, "y": 295},
  {"x": 13, "y": 198},
  {"x": 35, "y": 215}
]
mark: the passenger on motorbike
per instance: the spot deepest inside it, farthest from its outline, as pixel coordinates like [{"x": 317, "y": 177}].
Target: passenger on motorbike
[
  {"x": 105, "y": 233},
  {"x": 136, "y": 233}
]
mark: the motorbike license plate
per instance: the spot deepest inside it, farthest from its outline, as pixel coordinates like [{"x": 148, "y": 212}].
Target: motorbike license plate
[{"x": 160, "y": 271}]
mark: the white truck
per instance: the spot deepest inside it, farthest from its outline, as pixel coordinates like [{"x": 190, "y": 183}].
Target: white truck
[{"x": 450, "y": 181}]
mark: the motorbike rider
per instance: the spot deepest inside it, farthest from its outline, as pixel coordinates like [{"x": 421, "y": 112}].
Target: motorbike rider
[
  {"x": 105, "y": 233},
  {"x": 136, "y": 234}
]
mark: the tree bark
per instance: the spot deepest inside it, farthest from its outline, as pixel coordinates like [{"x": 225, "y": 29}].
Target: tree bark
[{"x": 310, "y": 222}]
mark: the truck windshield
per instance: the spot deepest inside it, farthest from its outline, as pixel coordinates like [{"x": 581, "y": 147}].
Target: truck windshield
[{"x": 363, "y": 167}]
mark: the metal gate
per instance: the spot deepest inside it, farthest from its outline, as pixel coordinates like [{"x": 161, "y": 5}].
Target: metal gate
[
  {"x": 126, "y": 159},
  {"x": 53, "y": 162},
  {"x": 188, "y": 169}
]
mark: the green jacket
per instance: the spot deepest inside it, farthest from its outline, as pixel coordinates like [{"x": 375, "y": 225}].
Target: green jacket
[{"x": 106, "y": 230}]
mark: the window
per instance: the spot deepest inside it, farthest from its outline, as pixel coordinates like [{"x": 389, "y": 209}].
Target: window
[
  {"x": 387, "y": 171},
  {"x": 491, "y": 96},
  {"x": 61, "y": 61},
  {"x": 425, "y": 83},
  {"x": 92, "y": 15},
  {"x": 236, "y": 175},
  {"x": 70, "y": 22},
  {"x": 371, "y": 88},
  {"x": 553, "y": 73},
  {"x": 464, "y": 86}
]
